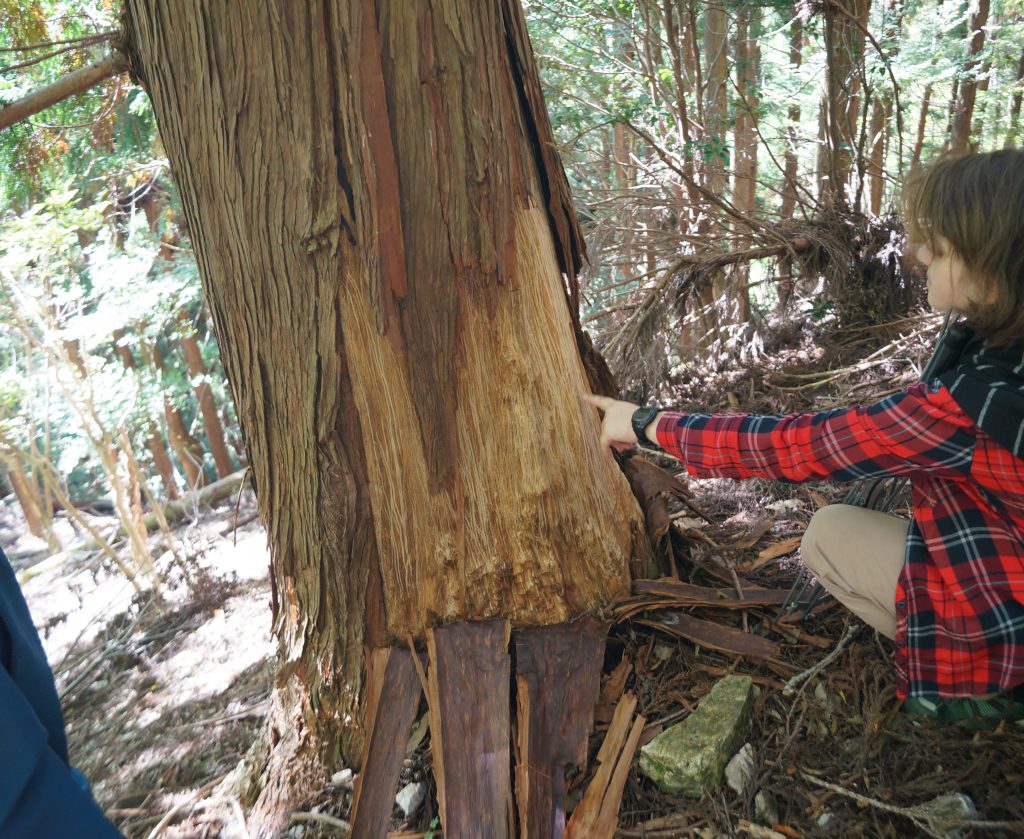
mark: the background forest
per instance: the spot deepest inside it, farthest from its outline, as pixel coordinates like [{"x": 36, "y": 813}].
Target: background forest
[
  {"x": 737, "y": 169},
  {"x": 735, "y": 165}
]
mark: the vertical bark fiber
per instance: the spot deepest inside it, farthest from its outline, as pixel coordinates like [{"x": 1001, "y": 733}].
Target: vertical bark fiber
[{"x": 381, "y": 224}]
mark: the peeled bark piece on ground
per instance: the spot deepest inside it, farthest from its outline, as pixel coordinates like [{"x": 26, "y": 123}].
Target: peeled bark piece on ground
[
  {"x": 676, "y": 592},
  {"x": 597, "y": 815},
  {"x": 558, "y": 676},
  {"x": 393, "y": 692},
  {"x": 468, "y": 694},
  {"x": 712, "y": 635},
  {"x": 653, "y": 486}
]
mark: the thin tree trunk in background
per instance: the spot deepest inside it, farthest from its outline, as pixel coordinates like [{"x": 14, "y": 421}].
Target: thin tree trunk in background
[
  {"x": 748, "y": 59},
  {"x": 922, "y": 122},
  {"x": 789, "y": 187},
  {"x": 624, "y": 178},
  {"x": 27, "y": 494},
  {"x": 381, "y": 229},
  {"x": 963, "y": 111},
  {"x": 204, "y": 394},
  {"x": 188, "y": 449},
  {"x": 713, "y": 139},
  {"x": 74, "y": 352},
  {"x": 678, "y": 50},
  {"x": 840, "y": 103},
  {"x": 981, "y": 112},
  {"x": 1013, "y": 119},
  {"x": 154, "y": 442},
  {"x": 882, "y": 109}
]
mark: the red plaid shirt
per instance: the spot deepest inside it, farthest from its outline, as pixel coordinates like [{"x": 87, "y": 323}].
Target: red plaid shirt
[{"x": 960, "y": 597}]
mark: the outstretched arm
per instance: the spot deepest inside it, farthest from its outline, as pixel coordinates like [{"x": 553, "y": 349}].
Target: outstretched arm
[{"x": 916, "y": 431}]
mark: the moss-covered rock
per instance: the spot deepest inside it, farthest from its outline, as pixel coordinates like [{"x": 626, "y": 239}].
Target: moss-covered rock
[{"x": 690, "y": 757}]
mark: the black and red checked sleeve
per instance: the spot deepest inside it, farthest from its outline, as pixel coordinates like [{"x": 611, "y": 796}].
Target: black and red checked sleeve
[{"x": 916, "y": 431}]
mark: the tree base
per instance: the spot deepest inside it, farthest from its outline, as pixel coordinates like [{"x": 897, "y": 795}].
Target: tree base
[{"x": 469, "y": 693}]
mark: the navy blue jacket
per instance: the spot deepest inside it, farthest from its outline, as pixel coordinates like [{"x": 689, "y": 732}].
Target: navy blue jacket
[{"x": 40, "y": 798}]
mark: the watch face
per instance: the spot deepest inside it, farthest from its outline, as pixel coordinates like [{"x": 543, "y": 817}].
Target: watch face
[{"x": 641, "y": 419}]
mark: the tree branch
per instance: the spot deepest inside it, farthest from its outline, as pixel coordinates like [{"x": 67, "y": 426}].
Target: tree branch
[{"x": 62, "y": 89}]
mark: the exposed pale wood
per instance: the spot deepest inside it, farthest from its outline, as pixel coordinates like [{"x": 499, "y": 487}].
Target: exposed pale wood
[
  {"x": 69, "y": 85},
  {"x": 596, "y": 817},
  {"x": 558, "y": 675},
  {"x": 469, "y": 729},
  {"x": 393, "y": 693}
]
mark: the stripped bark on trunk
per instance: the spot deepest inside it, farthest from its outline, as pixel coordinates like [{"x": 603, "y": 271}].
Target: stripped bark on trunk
[{"x": 381, "y": 225}]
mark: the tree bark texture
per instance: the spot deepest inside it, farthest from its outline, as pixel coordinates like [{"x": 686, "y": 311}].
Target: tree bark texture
[
  {"x": 844, "y": 47},
  {"x": 381, "y": 223},
  {"x": 963, "y": 111}
]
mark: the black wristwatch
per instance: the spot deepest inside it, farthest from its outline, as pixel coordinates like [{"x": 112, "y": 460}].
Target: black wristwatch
[{"x": 643, "y": 417}]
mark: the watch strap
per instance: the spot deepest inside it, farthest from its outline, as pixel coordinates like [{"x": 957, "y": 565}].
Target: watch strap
[{"x": 643, "y": 417}]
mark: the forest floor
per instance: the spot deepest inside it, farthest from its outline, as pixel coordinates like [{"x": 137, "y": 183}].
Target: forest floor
[{"x": 165, "y": 694}]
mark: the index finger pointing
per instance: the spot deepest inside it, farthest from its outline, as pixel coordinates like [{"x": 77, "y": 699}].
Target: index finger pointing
[{"x": 602, "y": 403}]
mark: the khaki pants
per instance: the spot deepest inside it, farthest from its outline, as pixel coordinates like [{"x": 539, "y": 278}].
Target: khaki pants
[{"x": 857, "y": 555}]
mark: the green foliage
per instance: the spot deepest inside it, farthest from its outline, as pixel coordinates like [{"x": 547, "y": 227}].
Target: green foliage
[{"x": 90, "y": 135}]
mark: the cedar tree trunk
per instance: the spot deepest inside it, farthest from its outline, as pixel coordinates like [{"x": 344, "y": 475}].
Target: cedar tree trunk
[{"x": 381, "y": 226}]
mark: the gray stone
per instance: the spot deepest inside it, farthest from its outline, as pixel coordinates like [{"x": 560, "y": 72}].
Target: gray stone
[
  {"x": 739, "y": 772},
  {"x": 766, "y": 810},
  {"x": 690, "y": 757},
  {"x": 944, "y": 813},
  {"x": 826, "y": 820},
  {"x": 342, "y": 778},
  {"x": 410, "y": 797}
]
